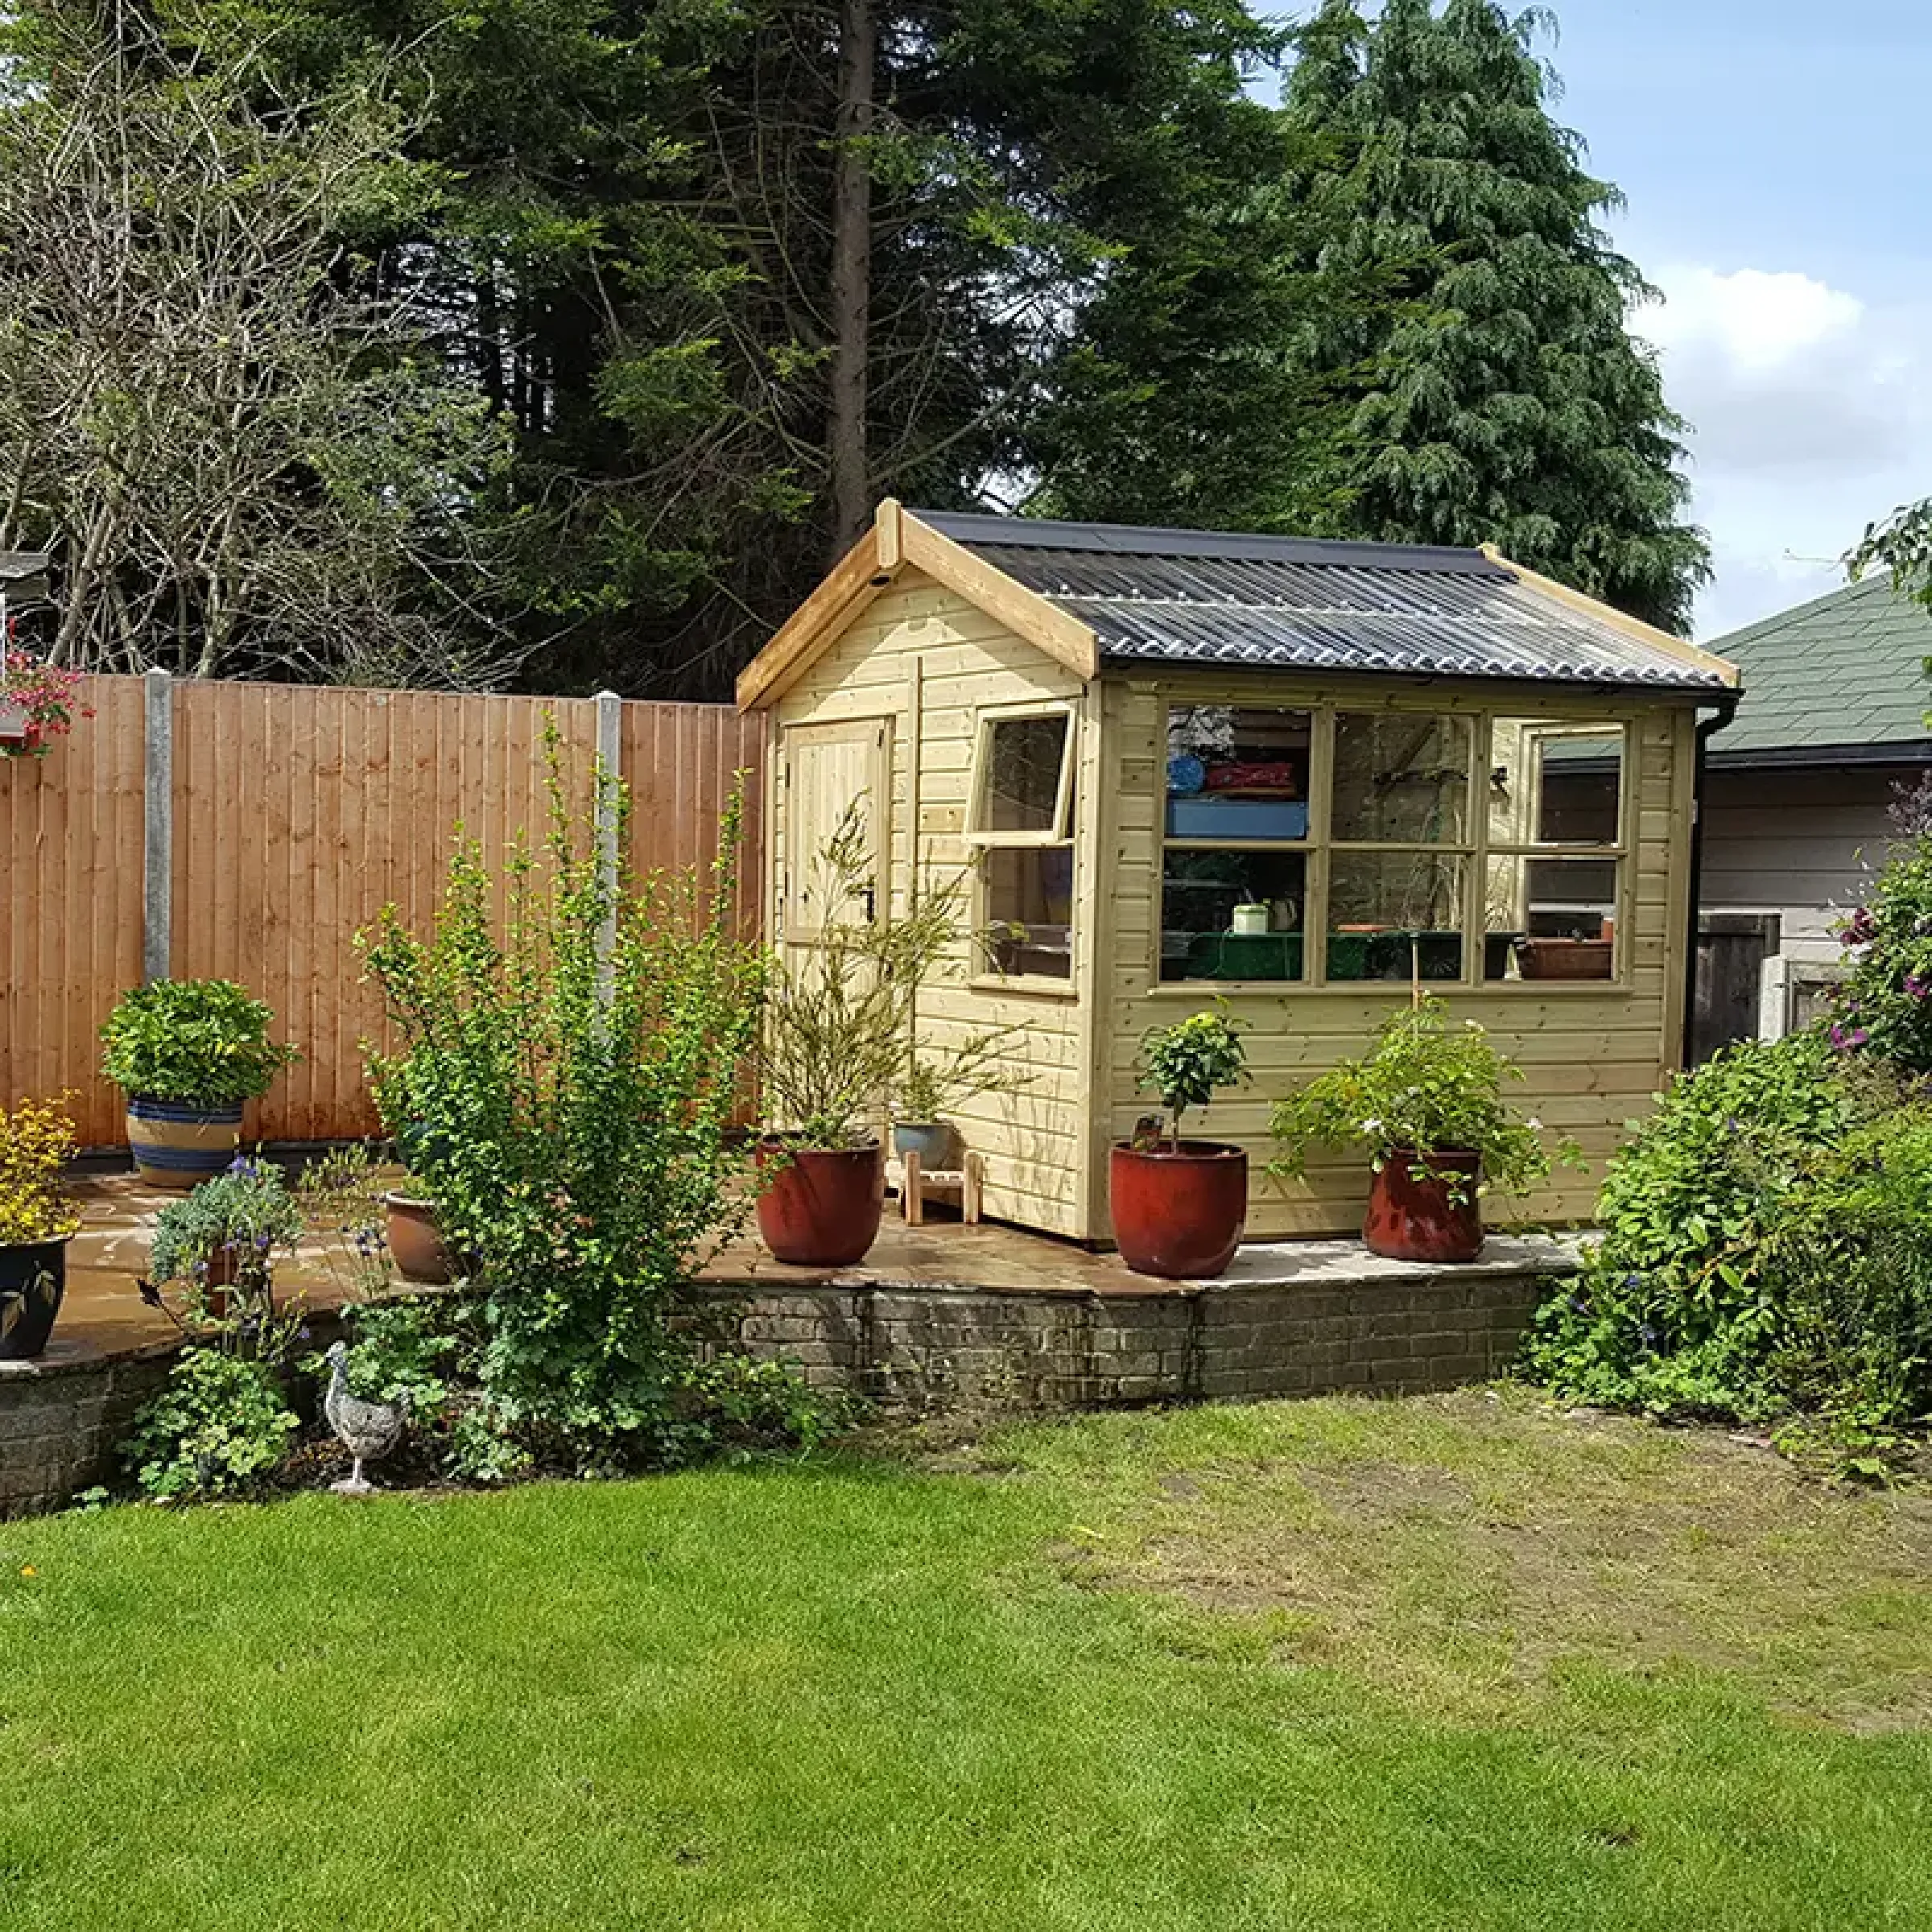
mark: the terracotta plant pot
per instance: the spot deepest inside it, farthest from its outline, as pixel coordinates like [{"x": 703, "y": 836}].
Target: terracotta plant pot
[
  {"x": 416, "y": 1242},
  {"x": 820, "y": 1209},
  {"x": 33, "y": 1278},
  {"x": 176, "y": 1146},
  {"x": 1180, "y": 1214},
  {"x": 1415, "y": 1220},
  {"x": 1565, "y": 959}
]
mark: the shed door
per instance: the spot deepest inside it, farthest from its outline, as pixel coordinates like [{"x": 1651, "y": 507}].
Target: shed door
[{"x": 838, "y": 785}]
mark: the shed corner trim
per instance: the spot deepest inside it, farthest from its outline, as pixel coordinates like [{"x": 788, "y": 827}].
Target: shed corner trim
[
  {"x": 1608, "y": 613},
  {"x": 897, "y": 541}
]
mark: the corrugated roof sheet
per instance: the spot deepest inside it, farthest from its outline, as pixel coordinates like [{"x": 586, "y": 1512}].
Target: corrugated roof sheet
[
  {"x": 1846, "y": 669},
  {"x": 1297, "y": 603}
]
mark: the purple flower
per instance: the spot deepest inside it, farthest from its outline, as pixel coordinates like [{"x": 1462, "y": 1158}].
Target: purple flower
[
  {"x": 1861, "y": 929},
  {"x": 1918, "y": 986}
]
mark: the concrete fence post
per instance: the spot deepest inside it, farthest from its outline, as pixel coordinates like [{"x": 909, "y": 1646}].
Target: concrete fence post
[
  {"x": 610, "y": 770},
  {"x": 158, "y": 841}
]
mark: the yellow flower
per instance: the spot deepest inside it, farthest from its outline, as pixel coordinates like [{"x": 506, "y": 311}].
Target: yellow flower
[{"x": 28, "y": 1570}]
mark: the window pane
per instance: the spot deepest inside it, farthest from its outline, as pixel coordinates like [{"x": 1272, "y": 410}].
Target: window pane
[
  {"x": 1402, "y": 777},
  {"x": 1556, "y": 784},
  {"x": 1022, "y": 789},
  {"x": 1231, "y": 915},
  {"x": 1237, "y": 772},
  {"x": 1554, "y": 903},
  {"x": 1393, "y": 912},
  {"x": 1029, "y": 909}
]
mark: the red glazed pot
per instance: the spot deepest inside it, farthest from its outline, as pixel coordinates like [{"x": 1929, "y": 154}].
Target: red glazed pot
[
  {"x": 1180, "y": 1214},
  {"x": 820, "y": 1209},
  {"x": 1411, "y": 1220},
  {"x": 416, "y": 1242}
]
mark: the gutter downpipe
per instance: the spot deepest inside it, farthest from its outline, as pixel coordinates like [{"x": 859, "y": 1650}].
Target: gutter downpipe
[{"x": 1707, "y": 728}]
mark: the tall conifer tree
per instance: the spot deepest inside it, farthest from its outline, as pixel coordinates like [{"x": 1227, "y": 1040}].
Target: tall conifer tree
[{"x": 1499, "y": 396}]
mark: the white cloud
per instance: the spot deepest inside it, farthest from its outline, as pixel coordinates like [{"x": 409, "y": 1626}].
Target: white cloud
[{"x": 1811, "y": 414}]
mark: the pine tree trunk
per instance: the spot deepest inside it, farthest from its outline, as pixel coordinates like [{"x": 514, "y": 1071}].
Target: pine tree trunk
[{"x": 846, "y": 454}]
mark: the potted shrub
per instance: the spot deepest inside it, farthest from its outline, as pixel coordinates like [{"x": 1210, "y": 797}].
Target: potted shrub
[
  {"x": 223, "y": 1237},
  {"x": 38, "y": 1219},
  {"x": 1426, "y": 1104},
  {"x": 838, "y": 1016},
  {"x": 936, "y": 1081},
  {"x": 189, "y": 1053},
  {"x": 1179, "y": 1206}
]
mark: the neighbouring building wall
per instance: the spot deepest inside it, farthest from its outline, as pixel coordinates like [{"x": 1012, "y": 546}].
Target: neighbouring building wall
[
  {"x": 1593, "y": 1055},
  {"x": 928, "y": 663},
  {"x": 1803, "y": 843}
]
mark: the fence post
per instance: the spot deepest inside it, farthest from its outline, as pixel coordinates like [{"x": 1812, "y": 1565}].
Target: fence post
[
  {"x": 610, "y": 770},
  {"x": 158, "y": 842}
]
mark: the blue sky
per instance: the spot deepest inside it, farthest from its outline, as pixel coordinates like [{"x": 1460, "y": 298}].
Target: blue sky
[{"x": 1776, "y": 159}]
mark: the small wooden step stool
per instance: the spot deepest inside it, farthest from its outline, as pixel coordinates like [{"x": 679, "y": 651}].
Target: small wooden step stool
[{"x": 913, "y": 1180}]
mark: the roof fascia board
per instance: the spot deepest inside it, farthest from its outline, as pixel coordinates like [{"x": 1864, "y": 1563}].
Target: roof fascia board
[
  {"x": 1618, "y": 619},
  {"x": 1062, "y": 636},
  {"x": 1908, "y": 751},
  {"x": 852, "y": 583}
]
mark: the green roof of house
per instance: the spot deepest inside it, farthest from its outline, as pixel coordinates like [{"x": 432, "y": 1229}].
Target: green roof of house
[{"x": 1847, "y": 670}]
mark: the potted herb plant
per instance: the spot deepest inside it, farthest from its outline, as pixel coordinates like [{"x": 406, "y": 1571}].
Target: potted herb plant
[
  {"x": 1179, "y": 1206},
  {"x": 224, "y": 1236},
  {"x": 1426, "y": 1104},
  {"x": 838, "y": 1012},
  {"x": 189, "y": 1053},
  {"x": 38, "y": 1219}
]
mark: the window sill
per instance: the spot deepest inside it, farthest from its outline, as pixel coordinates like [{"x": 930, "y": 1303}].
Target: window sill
[
  {"x": 1035, "y": 985},
  {"x": 1197, "y": 989}
]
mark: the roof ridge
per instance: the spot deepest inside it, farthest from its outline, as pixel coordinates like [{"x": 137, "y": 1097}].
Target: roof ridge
[{"x": 979, "y": 527}]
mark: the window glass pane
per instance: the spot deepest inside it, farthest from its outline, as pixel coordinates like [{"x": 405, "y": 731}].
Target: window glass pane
[
  {"x": 1393, "y": 912},
  {"x": 1237, "y": 771},
  {"x": 1556, "y": 784},
  {"x": 1231, "y": 915},
  {"x": 1555, "y": 903},
  {"x": 1030, "y": 910},
  {"x": 1022, "y": 784},
  {"x": 1402, "y": 777}
]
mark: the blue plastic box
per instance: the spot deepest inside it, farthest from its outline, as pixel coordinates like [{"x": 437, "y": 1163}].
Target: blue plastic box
[{"x": 1205, "y": 816}]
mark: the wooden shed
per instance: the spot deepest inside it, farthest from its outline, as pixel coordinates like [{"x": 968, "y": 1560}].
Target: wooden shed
[{"x": 1178, "y": 765}]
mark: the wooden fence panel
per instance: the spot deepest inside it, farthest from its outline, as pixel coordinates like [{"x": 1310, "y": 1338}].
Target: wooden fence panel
[
  {"x": 298, "y": 812},
  {"x": 70, "y": 895}
]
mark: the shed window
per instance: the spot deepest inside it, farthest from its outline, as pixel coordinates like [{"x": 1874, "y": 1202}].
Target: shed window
[
  {"x": 1334, "y": 845},
  {"x": 1234, "y": 883},
  {"x": 1555, "y": 864},
  {"x": 1022, "y": 819}
]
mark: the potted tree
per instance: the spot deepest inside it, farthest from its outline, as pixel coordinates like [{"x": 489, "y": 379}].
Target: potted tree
[
  {"x": 189, "y": 1053},
  {"x": 223, "y": 1237},
  {"x": 38, "y": 1219},
  {"x": 1179, "y": 1206},
  {"x": 1426, "y": 1104},
  {"x": 839, "y": 1012}
]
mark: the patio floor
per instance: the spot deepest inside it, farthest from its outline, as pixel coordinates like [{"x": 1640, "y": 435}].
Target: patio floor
[{"x": 104, "y": 1314}]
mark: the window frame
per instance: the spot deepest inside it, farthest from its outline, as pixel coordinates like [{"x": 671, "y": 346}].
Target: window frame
[
  {"x": 986, "y": 720},
  {"x": 1473, "y": 851},
  {"x": 985, "y": 975}
]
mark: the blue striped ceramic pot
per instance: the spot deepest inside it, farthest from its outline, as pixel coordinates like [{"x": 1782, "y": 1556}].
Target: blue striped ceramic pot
[{"x": 177, "y": 1145}]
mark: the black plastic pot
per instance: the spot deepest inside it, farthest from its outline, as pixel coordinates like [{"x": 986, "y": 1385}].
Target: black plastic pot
[{"x": 33, "y": 1278}]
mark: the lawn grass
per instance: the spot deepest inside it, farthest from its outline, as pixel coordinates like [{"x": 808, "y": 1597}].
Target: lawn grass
[{"x": 1453, "y": 1663}]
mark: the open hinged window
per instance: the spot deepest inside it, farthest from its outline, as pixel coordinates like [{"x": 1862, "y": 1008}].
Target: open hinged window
[{"x": 1022, "y": 816}]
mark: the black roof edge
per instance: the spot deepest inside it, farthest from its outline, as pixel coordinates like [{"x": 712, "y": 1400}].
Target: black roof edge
[
  {"x": 1897, "y": 751},
  {"x": 1582, "y": 683},
  {"x": 973, "y": 528}
]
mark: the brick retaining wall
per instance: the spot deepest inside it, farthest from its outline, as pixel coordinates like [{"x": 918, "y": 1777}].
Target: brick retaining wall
[{"x": 1305, "y": 1319}]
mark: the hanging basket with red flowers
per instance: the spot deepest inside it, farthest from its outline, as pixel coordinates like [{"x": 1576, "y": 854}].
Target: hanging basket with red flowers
[{"x": 37, "y": 704}]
